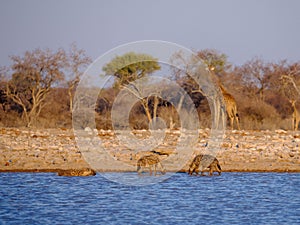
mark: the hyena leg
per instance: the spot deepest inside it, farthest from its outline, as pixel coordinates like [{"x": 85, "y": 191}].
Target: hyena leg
[
  {"x": 192, "y": 169},
  {"x": 200, "y": 168},
  {"x": 163, "y": 170},
  {"x": 150, "y": 170},
  {"x": 211, "y": 171},
  {"x": 197, "y": 170},
  {"x": 139, "y": 169},
  {"x": 155, "y": 169},
  {"x": 195, "y": 167},
  {"x": 216, "y": 169},
  {"x": 219, "y": 169}
]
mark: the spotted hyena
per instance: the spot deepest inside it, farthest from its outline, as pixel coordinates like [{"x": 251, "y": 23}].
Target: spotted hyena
[
  {"x": 150, "y": 161},
  {"x": 203, "y": 162},
  {"x": 77, "y": 172}
]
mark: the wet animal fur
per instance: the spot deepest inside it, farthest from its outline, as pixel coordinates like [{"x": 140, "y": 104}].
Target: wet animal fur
[
  {"x": 77, "y": 172},
  {"x": 150, "y": 162},
  {"x": 204, "y": 161}
]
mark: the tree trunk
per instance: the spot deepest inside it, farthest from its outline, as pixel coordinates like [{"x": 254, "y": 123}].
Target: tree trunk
[
  {"x": 26, "y": 117},
  {"x": 180, "y": 103},
  {"x": 148, "y": 114},
  {"x": 70, "y": 99},
  {"x": 155, "y": 104}
]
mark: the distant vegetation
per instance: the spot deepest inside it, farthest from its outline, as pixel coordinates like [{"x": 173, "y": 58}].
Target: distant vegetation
[{"x": 38, "y": 89}]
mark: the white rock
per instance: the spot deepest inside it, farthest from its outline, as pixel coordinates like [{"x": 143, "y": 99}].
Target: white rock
[
  {"x": 280, "y": 131},
  {"x": 88, "y": 129}
]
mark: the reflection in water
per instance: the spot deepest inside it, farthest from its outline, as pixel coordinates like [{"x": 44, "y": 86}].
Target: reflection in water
[{"x": 241, "y": 198}]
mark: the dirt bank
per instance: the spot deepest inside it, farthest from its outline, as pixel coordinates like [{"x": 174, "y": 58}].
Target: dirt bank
[{"x": 50, "y": 150}]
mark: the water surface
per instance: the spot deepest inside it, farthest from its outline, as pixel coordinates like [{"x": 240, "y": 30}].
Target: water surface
[{"x": 232, "y": 198}]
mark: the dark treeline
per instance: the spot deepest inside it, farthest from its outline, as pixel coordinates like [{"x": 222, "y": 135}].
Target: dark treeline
[{"x": 38, "y": 90}]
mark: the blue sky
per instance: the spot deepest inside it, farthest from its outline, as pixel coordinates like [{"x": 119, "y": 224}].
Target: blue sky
[{"x": 269, "y": 29}]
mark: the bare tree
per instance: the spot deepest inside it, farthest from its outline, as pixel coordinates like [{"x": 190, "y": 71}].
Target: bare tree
[
  {"x": 290, "y": 80},
  {"x": 256, "y": 75},
  {"x": 33, "y": 76},
  {"x": 3, "y": 73},
  {"x": 3, "y": 77},
  {"x": 191, "y": 67},
  {"x": 77, "y": 63}
]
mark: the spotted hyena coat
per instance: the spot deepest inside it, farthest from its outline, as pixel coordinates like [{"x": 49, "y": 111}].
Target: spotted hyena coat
[
  {"x": 150, "y": 162},
  {"x": 203, "y": 162},
  {"x": 77, "y": 172}
]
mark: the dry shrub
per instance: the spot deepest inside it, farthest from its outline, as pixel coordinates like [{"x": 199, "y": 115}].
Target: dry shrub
[
  {"x": 103, "y": 120},
  {"x": 170, "y": 116},
  {"x": 281, "y": 104},
  {"x": 138, "y": 121},
  {"x": 257, "y": 115},
  {"x": 205, "y": 119},
  {"x": 11, "y": 119},
  {"x": 56, "y": 112},
  {"x": 285, "y": 124}
]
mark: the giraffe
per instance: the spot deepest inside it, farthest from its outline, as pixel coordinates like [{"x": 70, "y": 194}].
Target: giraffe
[
  {"x": 229, "y": 101},
  {"x": 296, "y": 115},
  {"x": 231, "y": 107}
]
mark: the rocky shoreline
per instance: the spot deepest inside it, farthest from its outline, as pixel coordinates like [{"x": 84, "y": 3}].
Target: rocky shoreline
[{"x": 52, "y": 150}]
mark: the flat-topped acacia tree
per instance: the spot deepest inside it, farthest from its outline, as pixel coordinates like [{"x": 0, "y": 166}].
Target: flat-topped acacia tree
[{"x": 130, "y": 67}]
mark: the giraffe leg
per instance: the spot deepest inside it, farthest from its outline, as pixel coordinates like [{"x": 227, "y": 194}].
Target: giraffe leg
[
  {"x": 231, "y": 122},
  {"x": 237, "y": 122}
]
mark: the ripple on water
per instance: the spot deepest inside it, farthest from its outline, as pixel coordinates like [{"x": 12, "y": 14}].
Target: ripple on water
[{"x": 233, "y": 198}]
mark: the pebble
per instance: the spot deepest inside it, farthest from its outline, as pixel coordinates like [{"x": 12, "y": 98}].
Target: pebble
[{"x": 56, "y": 147}]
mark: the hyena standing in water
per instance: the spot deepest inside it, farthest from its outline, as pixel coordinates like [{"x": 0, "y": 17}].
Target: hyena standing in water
[
  {"x": 205, "y": 161},
  {"x": 77, "y": 172},
  {"x": 150, "y": 161}
]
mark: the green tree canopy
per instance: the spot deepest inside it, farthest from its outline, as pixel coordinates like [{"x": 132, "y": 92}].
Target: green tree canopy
[
  {"x": 215, "y": 60},
  {"x": 131, "y": 66}
]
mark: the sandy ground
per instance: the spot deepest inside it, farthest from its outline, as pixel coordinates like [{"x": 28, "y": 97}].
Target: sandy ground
[{"x": 50, "y": 150}]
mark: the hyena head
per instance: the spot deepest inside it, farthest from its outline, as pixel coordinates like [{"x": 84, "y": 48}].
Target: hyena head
[
  {"x": 88, "y": 172},
  {"x": 195, "y": 164},
  {"x": 192, "y": 168}
]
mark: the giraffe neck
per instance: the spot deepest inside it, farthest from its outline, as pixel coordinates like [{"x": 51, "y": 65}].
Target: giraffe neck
[
  {"x": 222, "y": 89},
  {"x": 296, "y": 112}
]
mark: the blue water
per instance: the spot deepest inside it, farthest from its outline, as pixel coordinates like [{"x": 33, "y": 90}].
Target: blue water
[{"x": 232, "y": 198}]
